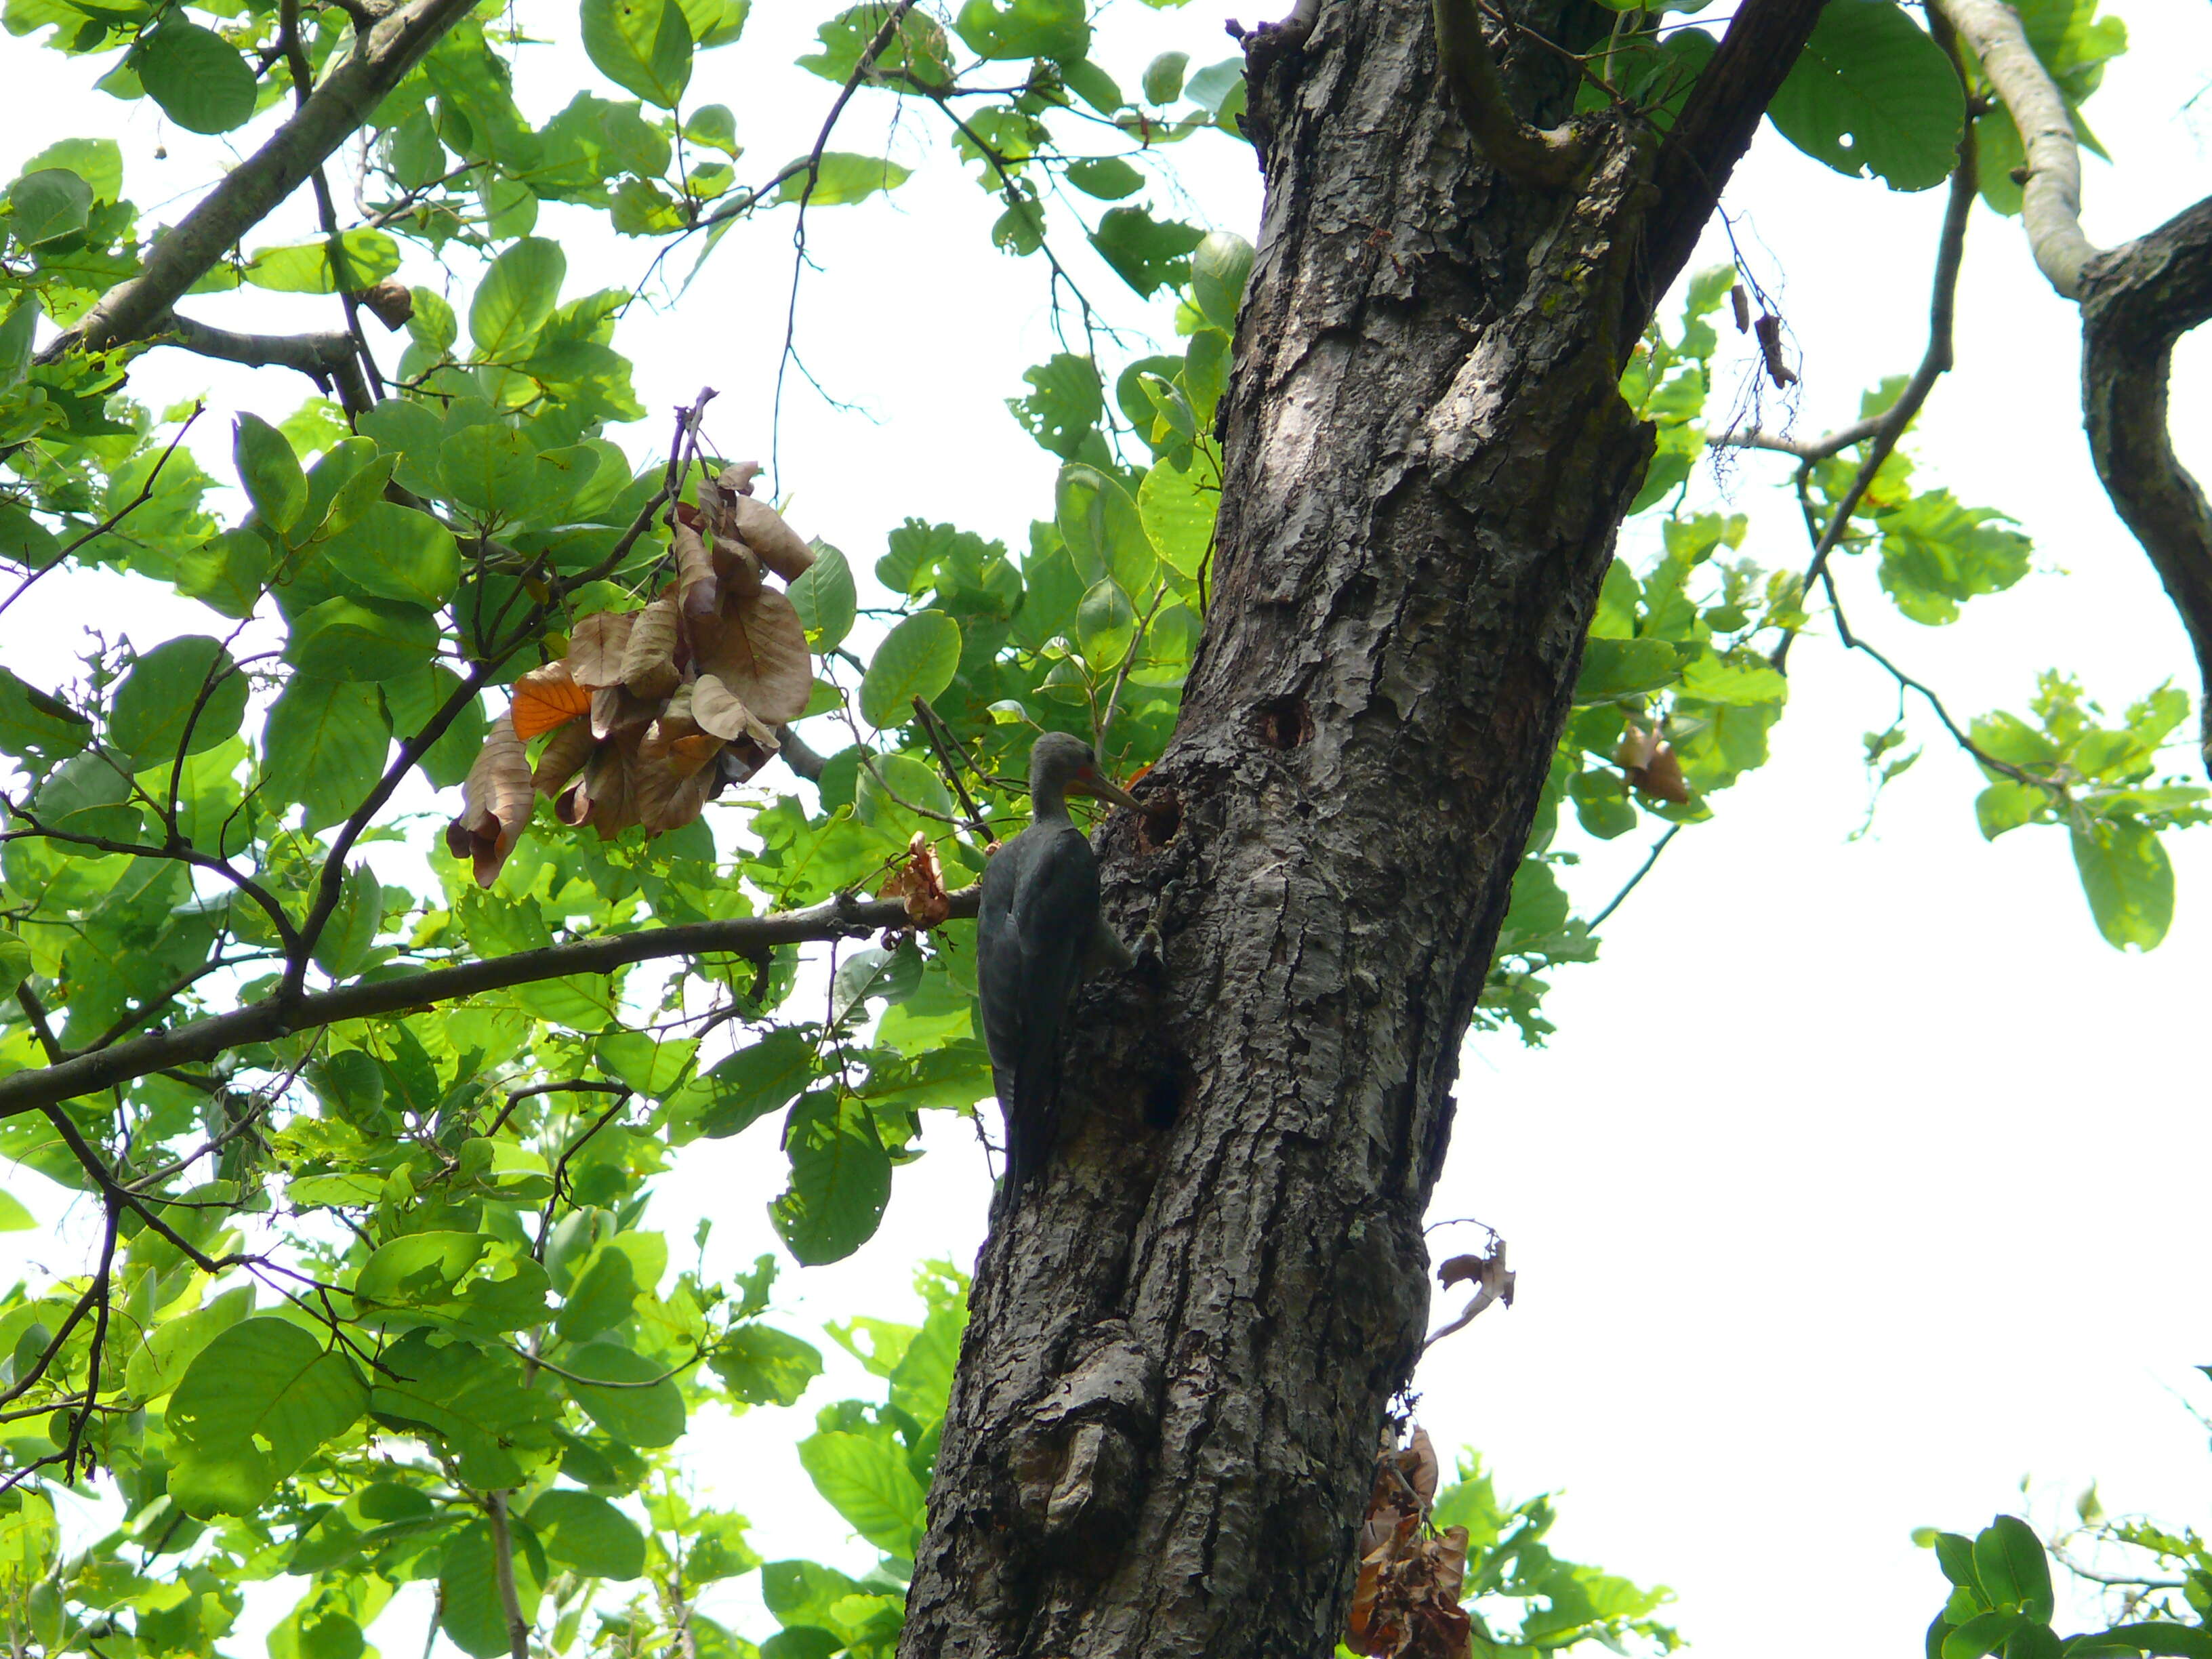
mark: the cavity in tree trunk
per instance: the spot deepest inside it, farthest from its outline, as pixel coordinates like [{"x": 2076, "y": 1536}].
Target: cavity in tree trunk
[{"x": 1183, "y": 1343}]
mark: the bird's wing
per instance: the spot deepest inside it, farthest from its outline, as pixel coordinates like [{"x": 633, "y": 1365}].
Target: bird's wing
[{"x": 1041, "y": 899}]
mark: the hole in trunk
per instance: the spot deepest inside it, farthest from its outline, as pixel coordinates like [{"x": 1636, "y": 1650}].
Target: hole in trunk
[{"x": 1282, "y": 722}]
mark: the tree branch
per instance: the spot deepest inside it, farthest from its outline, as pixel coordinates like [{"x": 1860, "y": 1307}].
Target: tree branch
[
  {"x": 258, "y": 186},
  {"x": 271, "y": 1018},
  {"x": 502, "y": 1566},
  {"x": 320, "y": 356},
  {"x": 1527, "y": 155},
  {"x": 2137, "y": 302},
  {"x": 2050, "y": 209}
]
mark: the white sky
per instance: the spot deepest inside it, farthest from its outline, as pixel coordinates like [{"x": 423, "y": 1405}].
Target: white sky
[{"x": 1862, "y": 1178}]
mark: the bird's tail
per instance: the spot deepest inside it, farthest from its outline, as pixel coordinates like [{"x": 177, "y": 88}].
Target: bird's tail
[{"x": 1032, "y": 1119}]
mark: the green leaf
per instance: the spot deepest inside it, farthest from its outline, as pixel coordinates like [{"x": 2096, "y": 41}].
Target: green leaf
[
  {"x": 1219, "y": 270},
  {"x": 269, "y": 471},
  {"x": 88, "y": 795},
  {"x": 1104, "y": 530},
  {"x": 189, "y": 680},
  {"x": 324, "y": 746},
  {"x": 13, "y": 1217},
  {"x": 647, "y": 1063},
  {"x": 418, "y": 1269},
  {"x": 842, "y": 178},
  {"x": 866, "y": 1479},
  {"x": 365, "y": 639},
  {"x": 644, "y": 1409},
  {"x": 587, "y": 1535},
  {"x": 763, "y": 1077},
  {"x": 368, "y": 256},
  {"x": 1163, "y": 77},
  {"x": 48, "y": 204},
  {"x": 469, "y": 1610},
  {"x": 519, "y": 292},
  {"x": 2128, "y": 880},
  {"x": 1147, "y": 253},
  {"x": 760, "y": 1365},
  {"x": 1177, "y": 508},
  {"x": 2009, "y": 1560},
  {"x": 1624, "y": 668},
  {"x": 643, "y": 46},
  {"x": 918, "y": 49},
  {"x": 840, "y": 1178},
  {"x": 228, "y": 573},
  {"x": 31, "y": 721},
  {"x": 260, "y": 1399},
  {"x": 1105, "y": 626},
  {"x": 412, "y": 699},
  {"x": 98, "y": 162},
  {"x": 1872, "y": 95},
  {"x": 2006, "y": 805},
  {"x": 198, "y": 78},
  {"x": 471, "y": 1399},
  {"x": 1985, "y": 1634},
  {"x": 1062, "y": 411},
  {"x": 1025, "y": 28},
  {"x": 917, "y": 659},
  {"x": 825, "y": 598},
  {"x": 354, "y": 924},
  {"x": 393, "y": 552},
  {"x": 493, "y": 470},
  {"x": 1937, "y": 554},
  {"x": 1109, "y": 178}
]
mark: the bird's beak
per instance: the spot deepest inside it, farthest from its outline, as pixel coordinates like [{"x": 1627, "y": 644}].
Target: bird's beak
[{"x": 1088, "y": 783}]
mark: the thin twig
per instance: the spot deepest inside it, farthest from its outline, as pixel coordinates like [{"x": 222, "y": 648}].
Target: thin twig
[
  {"x": 145, "y": 493},
  {"x": 1642, "y": 871},
  {"x": 930, "y": 723}
]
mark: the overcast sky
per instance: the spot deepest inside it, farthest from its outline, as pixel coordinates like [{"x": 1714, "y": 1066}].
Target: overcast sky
[{"x": 1862, "y": 1179}]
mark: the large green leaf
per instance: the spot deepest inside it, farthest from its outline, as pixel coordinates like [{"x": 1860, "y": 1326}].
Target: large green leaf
[
  {"x": 825, "y": 598},
  {"x": 493, "y": 470},
  {"x": 190, "y": 681},
  {"x": 840, "y": 1178},
  {"x": 2010, "y": 1562},
  {"x": 841, "y": 178},
  {"x": 366, "y": 640},
  {"x": 47, "y": 204},
  {"x": 2128, "y": 880},
  {"x": 257, "y": 1402},
  {"x": 1872, "y": 95},
  {"x": 1025, "y": 28},
  {"x": 1936, "y": 555},
  {"x": 637, "y": 1402},
  {"x": 518, "y": 294},
  {"x": 324, "y": 746},
  {"x": 412, "y": 699},
  {"x": 587, "y": 1535},
  {"x": 470, "y": 1608},
  {"x": 197, "y": 77},
  {"x": 867, "y": 1480},
  {"x": 917, "y": 659},
  {"x": 643, "y": 46},
  {"x": 269, "y": 471},
  {"x": 763, "y": 1366},
  {"x": 1178, "y": 506},
  {"x": 472, "y": 1401},
  {"x": 1147, "y": 253},
  {"x": 1104, "y": 530},
  {"x": 367, "y": 256},
  {"x": 763, "y": 1077},
  {"x": 393, "y": 552}
]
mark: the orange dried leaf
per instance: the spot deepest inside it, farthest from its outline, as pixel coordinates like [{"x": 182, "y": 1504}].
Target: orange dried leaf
[
  {"x": 547, "y": 697},
  {"x": 495, "y": 803},
  {"x": 563, "y": 757},
  {"x": 595, "y": 649},
  {"x": 781, "y": 549},
  {"x": 760, "y": 655},
  {"x": 649, "y": 665}
]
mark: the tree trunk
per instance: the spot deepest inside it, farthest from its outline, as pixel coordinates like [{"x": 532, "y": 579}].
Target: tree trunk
[{"x": 1183, "y": 1344}]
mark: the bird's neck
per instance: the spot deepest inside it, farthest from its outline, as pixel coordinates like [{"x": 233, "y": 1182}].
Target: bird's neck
[{"x": 1049, "y": 804}]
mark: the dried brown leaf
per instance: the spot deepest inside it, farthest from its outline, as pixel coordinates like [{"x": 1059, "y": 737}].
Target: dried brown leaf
[
  {"x": 740, "y": 761},
  {"x": 1419, "y": 1461},
  {"x": 564, "y": 756},
  {"x": 595, "y": 649},
  {"x": 1651, "y": 765},
  {"x": 920, "y": 880},
  {"x": 649, "y": 667},
  {"x": 605, "y": 796},
  {"x": 721, "y": 711},
  {"x": 547, "y": 697},
  {"x": 760, "y": 655},
  {"x": 695, "y": 570},
  {"x": 615, "y": 710},
  {"x": 781, "y": 549},
  {"x": 495, "y": 803},
  {"x": 667, "y": 798},
  {"x": 390, "y": 302},
  {"x": 737, "y": 477}
]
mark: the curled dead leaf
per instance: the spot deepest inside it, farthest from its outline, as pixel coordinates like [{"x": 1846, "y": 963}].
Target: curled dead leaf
[
  {"x": 1405, "y": 1602},
  {"x": 605, "y": 796},
  {"x": 596, "y": 648},
  {"x": 737, "y": 477},
  {"x": 781, "y": 549},
  {"x": 694, "y": 567},
  {"x": 649, "y": 665},
  {"x": 495, "y": 803},
  {"x": 547, "y": 697},
  {"x": 563, "y": 757},
  {"x": 1651, "y": 765},
  {"x": 739, "y": 761},
  {"x": 390, "y": 302},
  {"x": 615, "y": 709},
  {"x": 759, "y": 654},
  {"x": 667, "y": 798},
  {"x": 721, "y": 711},
  {"x": 920, "y": 880}
]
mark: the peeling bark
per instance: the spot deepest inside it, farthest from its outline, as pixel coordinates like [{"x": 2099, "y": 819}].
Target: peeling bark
[{"x": 1183, "y": 1344}]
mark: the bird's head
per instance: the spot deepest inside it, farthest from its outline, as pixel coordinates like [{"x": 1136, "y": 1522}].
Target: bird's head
[{"x": 1061, "y": 765}]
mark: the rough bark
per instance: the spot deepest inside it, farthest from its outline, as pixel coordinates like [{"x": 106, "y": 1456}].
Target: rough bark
[
  {"x": 1183, "y": 1344},
  {"x": 2137, "y": 302}
]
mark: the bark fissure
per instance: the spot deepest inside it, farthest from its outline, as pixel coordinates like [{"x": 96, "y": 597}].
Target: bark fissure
[{"x": 1426, "y": 460}]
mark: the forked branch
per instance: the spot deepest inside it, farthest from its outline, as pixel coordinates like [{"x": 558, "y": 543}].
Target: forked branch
[{"x": 1545, "y": 157}]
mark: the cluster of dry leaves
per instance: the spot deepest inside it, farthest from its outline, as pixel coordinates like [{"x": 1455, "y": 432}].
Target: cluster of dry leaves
[
  {"x": 919, "y": 880},
  {"x": 1406, "y": 1603},
  {"x": 652, "y": 713},
  {"x": 1651, "y": 765}
]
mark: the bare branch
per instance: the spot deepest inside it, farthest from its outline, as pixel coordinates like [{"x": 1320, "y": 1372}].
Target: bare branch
[
  {"x": 502, "y": 1566},
  {"x": 258, "y": 186},
  {"x": 2050, "y": 210},
  {"x": 1526, "y": 155},
  {"x": 842, "y": 917}
]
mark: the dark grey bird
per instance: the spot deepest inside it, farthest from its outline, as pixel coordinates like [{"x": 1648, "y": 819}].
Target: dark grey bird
[{"x": 1039, "y": 934}]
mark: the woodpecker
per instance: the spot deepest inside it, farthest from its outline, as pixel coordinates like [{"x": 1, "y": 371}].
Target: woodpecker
[{"x": 1039, "y": 934}]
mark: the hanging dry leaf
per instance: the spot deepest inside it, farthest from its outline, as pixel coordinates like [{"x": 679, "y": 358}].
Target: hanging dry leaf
[
  {"x": 495, "y": 803},
  {"x": 390, "y": 302},
  {"x": 1406, "y": 1600},
  {"x": 563, "y": 757},
  {"x": 921, "y": 882},
  {"x": 737, "y": 477},
  {"x": 1652, "y": 765},
  {"x": 1768, "y": 328},
  {"x": 547, "y": 697},
  {"x": 649, "y": 665},
  {"x": 676, "y": 741},
  {"x": 695, "y": 566},
  {"x": 760, "y": 655},
  {"x": 721, "y": 711},
  {"x": 596, "y": 648},
  {"x": 739, "y": 761},
  {"x": 781, "y": 549},
  {"x": 605, "y": 796},
  {"x": 667, "y": 800},
  {"x": 614, "y": 710}
]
